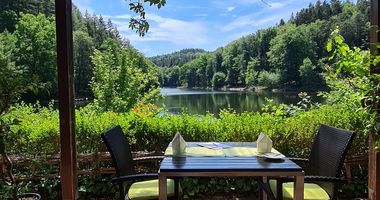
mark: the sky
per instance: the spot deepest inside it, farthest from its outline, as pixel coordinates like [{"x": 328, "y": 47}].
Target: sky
[{"x": 206, "y": 24}]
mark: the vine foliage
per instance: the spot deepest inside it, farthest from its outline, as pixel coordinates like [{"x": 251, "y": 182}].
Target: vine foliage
[{"x": 351, "y": 80}]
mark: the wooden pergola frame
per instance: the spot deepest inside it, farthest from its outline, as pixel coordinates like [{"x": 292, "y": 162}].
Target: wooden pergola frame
[
  {"x": 374, "y": 156},
  {"x": 63, "y": 11}
]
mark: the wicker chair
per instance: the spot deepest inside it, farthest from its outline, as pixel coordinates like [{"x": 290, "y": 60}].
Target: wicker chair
[
  {"x": 131, "y": 185},
  {"x": 323, "y": 169}
]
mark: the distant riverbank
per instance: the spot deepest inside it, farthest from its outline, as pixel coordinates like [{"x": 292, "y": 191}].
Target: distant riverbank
[{"x": 253, "y": 89}]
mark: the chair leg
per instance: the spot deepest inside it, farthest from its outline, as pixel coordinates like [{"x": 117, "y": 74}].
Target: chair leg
[
  {"x": 176, "y": 188},
  {"x": 121, "y": 191},
  {"x": 279, "y": 189},
  {"x": 266, "y": 188},
  {"x": 259, "y": 188}
]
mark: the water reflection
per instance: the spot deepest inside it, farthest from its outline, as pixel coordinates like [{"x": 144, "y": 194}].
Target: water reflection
[{"x": 201, "y": 102}]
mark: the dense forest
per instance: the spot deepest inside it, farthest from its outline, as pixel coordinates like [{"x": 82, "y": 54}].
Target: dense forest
[
  {"x": 290, "y": 55},
  {"x": 177, "y": 58},
  {"x": 27, "y": 40}
]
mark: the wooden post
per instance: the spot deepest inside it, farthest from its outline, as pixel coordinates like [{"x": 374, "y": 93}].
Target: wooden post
[
  {"x": 65, "y": 70},
  {"x": 374, "y": 156}
]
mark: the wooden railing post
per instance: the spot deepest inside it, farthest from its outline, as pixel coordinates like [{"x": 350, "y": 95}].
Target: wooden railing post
[
  {"x": 374, "y": 156},
  {"x": 63, "y": 13}
]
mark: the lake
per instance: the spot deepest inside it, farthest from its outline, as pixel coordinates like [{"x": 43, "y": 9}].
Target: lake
[{"x": 203, "y": 101}]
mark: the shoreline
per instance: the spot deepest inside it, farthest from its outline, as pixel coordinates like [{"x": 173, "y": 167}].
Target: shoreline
[{"x": 256, "y": 89}]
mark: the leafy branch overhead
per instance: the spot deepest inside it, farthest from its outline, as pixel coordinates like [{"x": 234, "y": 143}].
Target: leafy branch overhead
[{"x": 140, "y": 23}]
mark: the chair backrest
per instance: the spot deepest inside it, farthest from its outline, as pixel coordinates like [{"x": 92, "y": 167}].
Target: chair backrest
[
  {"x": 118, "y": 146},
  {"x": 328, "y": 153}
]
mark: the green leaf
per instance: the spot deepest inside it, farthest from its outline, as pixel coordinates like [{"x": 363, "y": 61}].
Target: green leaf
[
  {"x": 339, "y": 39},
  {"x": 329, "y": 46}
]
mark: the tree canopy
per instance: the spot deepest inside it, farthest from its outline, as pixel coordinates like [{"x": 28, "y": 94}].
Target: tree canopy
[{"x": 277, "y": 56}]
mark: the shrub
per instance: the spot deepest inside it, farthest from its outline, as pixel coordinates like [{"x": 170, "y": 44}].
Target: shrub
[
  {"x": 291, "y": 134},
  {"x": 269, "y": 79}
]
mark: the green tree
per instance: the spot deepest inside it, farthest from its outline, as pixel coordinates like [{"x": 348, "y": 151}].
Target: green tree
[
  {"x": 188, "y": 75},
  {"x": 177, "y": 58},
  {"x": 122, "y": 78},
  {"x": 173, "y": 77},
  {"x": 269, "y": 79},
  {"x": 36, "y": 51},
  {"x": 83, "y": 68},
  {"x": 336, "y": 7},
  {"x": 12, "y": 83},
  {"x": 309, "y": 76},
  {"x": 289, "y": 48},
  {"x": 11, "y": 11},
  {"x": 219, "y": 61},
  {"x": 218, "y": 80},
  {"x": 251, "y": 75}
]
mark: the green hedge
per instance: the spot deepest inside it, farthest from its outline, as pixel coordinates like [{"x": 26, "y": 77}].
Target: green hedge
[{"x": 36, "y": 132}]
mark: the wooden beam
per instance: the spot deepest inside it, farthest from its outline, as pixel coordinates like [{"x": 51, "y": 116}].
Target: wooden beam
[
  {"x": 374, "y": 156},
  {"x": 65, "y": 70}
]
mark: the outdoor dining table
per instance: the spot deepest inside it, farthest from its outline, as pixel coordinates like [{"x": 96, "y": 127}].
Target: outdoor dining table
[{"x": 236, "y": 159}]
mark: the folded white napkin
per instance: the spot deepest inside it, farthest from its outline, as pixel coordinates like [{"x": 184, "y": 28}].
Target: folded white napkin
[
  {"x": 264, "y": 143},
  {"x": 178, "y": 145}
]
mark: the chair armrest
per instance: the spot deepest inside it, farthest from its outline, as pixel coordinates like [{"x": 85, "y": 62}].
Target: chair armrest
[
  {"x": 135, "y": 177},
  {"x": 304, "y": 160},
  {"x": 150, "y": 158},
  {"x": 33, "y": 196},
  {"x": 325, "y": 179},
  {"x": 309, "y": 179}
]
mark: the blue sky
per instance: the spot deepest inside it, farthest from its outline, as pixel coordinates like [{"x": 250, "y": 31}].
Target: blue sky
[{"x": 206, "y": 24}]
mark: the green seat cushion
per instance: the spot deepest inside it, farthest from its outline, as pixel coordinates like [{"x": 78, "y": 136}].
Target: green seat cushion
[
  {"x": 149, "y": 189},
  {"x": 311, "y": 191}
]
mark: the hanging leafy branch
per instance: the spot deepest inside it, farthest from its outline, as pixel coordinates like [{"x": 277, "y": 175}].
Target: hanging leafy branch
[
  {"x": 350, "y": 74},
  {"x": 140, "y": 23}
]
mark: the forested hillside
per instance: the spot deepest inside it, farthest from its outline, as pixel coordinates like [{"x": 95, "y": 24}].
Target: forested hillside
[
  {"x": 291, "y": 54},
  {"x": 177, "y": 58},
  {"x": 27, "y": 38}
]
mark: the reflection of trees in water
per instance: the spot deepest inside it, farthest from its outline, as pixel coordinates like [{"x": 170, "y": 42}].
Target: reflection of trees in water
[{"x": 214, "y": 102}]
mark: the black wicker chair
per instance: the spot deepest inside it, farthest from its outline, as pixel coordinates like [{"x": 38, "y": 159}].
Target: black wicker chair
[
  {"x": 323, "y": 169},
  {"x": 132, "y": 185}
]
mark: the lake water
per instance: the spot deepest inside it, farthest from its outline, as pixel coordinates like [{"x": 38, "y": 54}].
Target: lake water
[{"x": 202, "y": 101}]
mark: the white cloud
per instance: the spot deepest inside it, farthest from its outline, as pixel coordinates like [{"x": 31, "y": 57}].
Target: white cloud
[
  {"x": 201, "y": 15},
  {"x": 276, "y": 5},
  {"x": 268, "y": 15},
  {"x": 248, "y": 2},
  {"x": 84, "y": 5},
  {"x": 126, "y": 16},
  {"x": 248, "y": 20},
  {"x": 178, "y": 32},
  {"x": 231, "y": 8}
]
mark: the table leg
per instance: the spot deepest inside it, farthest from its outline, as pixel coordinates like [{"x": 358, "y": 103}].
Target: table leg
[
  {"x": 264, "y": 194},
  {"x": 162, "y": 190},
  {"x": 299, "y": 187}
]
